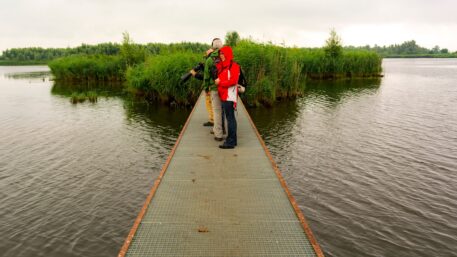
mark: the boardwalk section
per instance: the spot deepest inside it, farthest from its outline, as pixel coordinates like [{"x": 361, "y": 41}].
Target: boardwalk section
[{"x": 213, "y": 202}]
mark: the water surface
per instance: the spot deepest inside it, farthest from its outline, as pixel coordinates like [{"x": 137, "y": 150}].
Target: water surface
[
  {"x": 371, "y": 163},
  {"x": 74, "y": 177}
]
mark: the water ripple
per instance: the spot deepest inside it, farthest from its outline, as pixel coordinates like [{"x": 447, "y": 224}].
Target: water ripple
[{"x": 374, "y": 170}]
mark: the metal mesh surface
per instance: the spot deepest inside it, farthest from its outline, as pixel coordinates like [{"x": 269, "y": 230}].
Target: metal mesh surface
[
  {"x": 221, "y": 239},
  {"x": 214, "y": 202}
]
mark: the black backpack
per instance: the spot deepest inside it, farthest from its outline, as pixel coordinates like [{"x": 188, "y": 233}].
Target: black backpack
[{"x": 242, "y": 82}]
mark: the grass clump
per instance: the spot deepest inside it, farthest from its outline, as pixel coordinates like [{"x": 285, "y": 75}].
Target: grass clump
[
  {"x": 159, "y": 78},
  {"x": 77, "y": 98},
  {"x": 271, "y": 71},
  {"x": 81, "y": 97},
  {"x": 88, "y": 68}
]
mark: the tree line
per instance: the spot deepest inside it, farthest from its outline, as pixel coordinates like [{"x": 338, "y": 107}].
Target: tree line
[
  {"x": 407, "y": 49},
  {"x": 44, "y": 55}
]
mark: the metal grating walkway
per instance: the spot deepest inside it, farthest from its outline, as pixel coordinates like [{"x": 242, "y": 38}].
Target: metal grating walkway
[{"x": 214, "y": 202}]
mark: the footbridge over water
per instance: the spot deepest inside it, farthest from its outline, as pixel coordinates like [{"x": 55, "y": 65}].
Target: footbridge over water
[{"x": 213, "y": 202}]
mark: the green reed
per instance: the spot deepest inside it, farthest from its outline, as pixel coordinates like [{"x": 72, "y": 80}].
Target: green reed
[
  {"x": 273, "y": 72},
  {"x": 276, "y": 72},
  {"x": 81, "y": 97},
  {"x": 88, "y": 68},
  {"x": 159, "y": 78}
]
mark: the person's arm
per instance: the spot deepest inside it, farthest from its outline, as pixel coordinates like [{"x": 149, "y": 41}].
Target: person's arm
[
  {"x": 207, "y": 72},
  {"x": 196, "y": 75}
]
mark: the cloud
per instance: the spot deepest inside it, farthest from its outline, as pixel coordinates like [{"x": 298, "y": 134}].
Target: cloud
[{"x": 51, "y": 23}]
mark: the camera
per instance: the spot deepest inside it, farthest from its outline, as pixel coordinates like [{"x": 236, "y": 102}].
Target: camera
[{"x": 198, "y": 68}]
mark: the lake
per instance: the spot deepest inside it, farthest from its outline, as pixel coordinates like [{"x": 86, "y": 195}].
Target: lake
[{"x": 371, "y": 163}]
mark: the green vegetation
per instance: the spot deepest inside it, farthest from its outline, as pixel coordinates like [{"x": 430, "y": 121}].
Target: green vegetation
[
  {"x": 39, "y": 55},
  {"x": 276, "y": 72},
  {"x": 153, "y": 71},
  {"x": 20, "y": 63},
  {"x": 131, "y": 53},
  {"x": 113, "y": 67},
  {"x": 91, "y": 96},
  {"x": 158, "y": 79},
  {"x": 333, "y": 48},
  {"x": 408, "y": 49},
  {"x": 273, "y": 72},
  {"x": 232, "y": 38},
  {"x": 87, "y": 91},
  {"x": 91, "y": 68}
]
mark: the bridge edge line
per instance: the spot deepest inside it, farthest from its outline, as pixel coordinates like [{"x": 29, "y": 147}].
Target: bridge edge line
[
  {"x": 298, "y": 212},
  {"x": 139, "y": 218}
]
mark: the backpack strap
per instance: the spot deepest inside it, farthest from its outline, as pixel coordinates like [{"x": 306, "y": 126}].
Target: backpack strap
[{"x": 231, "y": 62}]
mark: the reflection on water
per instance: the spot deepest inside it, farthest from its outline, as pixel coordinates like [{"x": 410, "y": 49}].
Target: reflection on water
[
  {"x": 373, "y": 164},
  {"x": 101, "y": 88},
  {"x": 337, "y": 91},
  {"x": 43, "y": 75},
  {"x": 73, "y": 177},
  {"x": 279, "y": 124}
]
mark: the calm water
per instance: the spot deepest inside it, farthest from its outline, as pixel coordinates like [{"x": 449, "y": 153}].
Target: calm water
[
  {"x": 74, "y": 177},
  {"x": 372, "y": 164}
]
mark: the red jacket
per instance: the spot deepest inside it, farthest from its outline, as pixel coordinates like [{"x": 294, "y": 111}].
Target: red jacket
[{"x": 228, "y": 73}]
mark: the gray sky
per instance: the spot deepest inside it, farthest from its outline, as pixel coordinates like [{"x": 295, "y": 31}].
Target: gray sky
[{"x": 306, "y": 23}]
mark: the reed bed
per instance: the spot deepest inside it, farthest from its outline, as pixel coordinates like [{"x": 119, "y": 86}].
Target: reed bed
[
  {"x": 273, "y": 72},
  {"x": 88, "y": 68},
  {"x": 158, "y": 79}
]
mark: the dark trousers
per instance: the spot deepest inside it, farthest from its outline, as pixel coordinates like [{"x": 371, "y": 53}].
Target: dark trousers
[{"x": 229, "y": 113}]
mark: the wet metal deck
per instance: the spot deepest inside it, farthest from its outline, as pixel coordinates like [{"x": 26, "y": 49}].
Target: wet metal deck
[{"x": 214, "y": 202}]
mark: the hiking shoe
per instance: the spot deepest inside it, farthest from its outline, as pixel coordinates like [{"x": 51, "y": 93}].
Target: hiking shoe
[
  {"x": 208, "y": 124},
  {"x": 218, "y": 138},
  {"x": 226, "y": 146}
]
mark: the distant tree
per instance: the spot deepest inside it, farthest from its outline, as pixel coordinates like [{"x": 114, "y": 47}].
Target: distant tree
[
  {"x": 232, "y": 38},
  {"x": 131, "y": 52},
  {"x": 444, "y": 51},
  {"x": 333, "y": 47}
]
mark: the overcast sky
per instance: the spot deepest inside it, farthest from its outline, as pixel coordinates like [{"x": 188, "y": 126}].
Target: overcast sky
[{"x": 304, "y": 23}]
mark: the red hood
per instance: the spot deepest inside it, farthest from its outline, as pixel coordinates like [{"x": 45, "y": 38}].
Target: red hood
[{"x": 228, "y": 53}]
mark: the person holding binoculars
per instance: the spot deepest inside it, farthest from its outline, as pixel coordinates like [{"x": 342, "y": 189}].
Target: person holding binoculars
[{"x": 213, "y": 101}]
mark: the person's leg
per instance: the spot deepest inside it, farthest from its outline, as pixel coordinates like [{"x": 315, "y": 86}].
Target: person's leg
[
  {"x": 224, "y": 122},
  {"x": 231, "y": 140},
  {"x": 217, "y": 109},
  {"x": 209, "y": 108}
]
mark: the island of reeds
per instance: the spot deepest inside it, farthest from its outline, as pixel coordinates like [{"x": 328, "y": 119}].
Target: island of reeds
[{"x": 152, "y": 71}]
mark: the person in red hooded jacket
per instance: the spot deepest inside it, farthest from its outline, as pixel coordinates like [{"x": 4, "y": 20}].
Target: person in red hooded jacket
[{"x": 228, "y": 73}]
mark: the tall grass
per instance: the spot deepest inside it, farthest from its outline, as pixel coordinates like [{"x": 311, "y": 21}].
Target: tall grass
[
  {"x": 273, "y": 72},
  {"x": 113, "y": 67},
  {"x": 91, "y": 68},
  {"x": 159, "y": 78}
]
